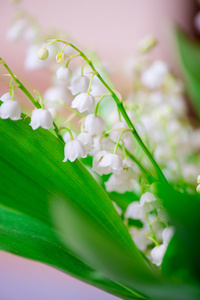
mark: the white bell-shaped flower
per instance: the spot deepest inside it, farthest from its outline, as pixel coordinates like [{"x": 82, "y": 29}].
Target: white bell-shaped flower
[
  {"x": 10, "y": 109},
  {"x": 154, "y": 76},
  {"x": 83, "y": 102},
  {"x": 79, "y": 84},
  {"x": 157, "y": 254},
  {"x": 86, "y": 139},
  {"x": 134, "y": 211},
  {"x": 97, "y": 158},
  {"x": 67, "y": 137},
  {"x": 167, "y": 235},
  {"x": 110, "y": 163},
  {"x": 74, "y": 149},
  {"x": 94, "y": 125},
  {"x": 64, "y": 73},
  {"x": 16, "y": 30},
  {"x": 149, "y": 202},
  {"x": 56, "y": 95},
  {"x": 5, "y": 97},
  {"x": 139, "y": 237},
  {"x": 41, "y": 117}
]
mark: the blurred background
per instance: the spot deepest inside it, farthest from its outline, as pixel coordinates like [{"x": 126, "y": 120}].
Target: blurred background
[{"x": 111, "y": 29}]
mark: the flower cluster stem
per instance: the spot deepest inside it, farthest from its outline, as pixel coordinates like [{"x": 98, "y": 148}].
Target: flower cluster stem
[
  {"x": 27, "y": 93},
  {"x": 123, "y": 112}
]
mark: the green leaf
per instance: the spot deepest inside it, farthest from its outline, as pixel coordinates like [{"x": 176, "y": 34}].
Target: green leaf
[
  {"x": 32, "y": 173},
  {"x": 184, "y": 211},
  {"x": 189, "y": 54},
  {"x": 98, "y": 248}
]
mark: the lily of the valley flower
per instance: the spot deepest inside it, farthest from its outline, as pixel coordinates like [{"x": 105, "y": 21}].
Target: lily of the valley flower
[
  {"x": 149, "y": 202},
  {"x": 157, "y": 254},
  {"x": 79, "y": 84},
  {"x": 64, "y": 74},
  {"x": 10, "y": 109},
  {"x": 94, "y": 125},
  {"x": 110, "y": 163},
  {"x": 67, "y": 137},
  {"x": 73, "y": 150},
  {"x": 5, "y": 97},
  {"x": 83, "y": 102},
  {"x": 86, "y": 140},
  {"x": 41, "y": 117},
  {"x": 43, "y": 54}
]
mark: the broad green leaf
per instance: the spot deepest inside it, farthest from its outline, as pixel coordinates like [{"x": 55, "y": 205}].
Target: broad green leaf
[
  {"x": 189, "y": 54},
  {"x": 33, "y": 176},
  {"x": 32, "y": 173},
  {"x": 184, "y": 212}
]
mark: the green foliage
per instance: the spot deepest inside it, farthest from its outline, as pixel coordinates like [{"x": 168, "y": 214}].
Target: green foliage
[
  {"x": 189, "y": 54},
  {"x": 56, "y": 213},
  {"x": 32, "y": 174}
]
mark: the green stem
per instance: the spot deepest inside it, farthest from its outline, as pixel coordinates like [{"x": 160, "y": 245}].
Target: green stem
[
  {"x": 97, "y": 106},
  {"x": 74, "y": 55},
  {"x": 123, "y": 112},
  {"x": 90, "y": 84},
  {"x": 154, "y": 238},
  {"x": 70, "y": 133},
  {"x": 119, "y": 139},
  {"x": 28, "y": 94},
  {"x": 82, "y": 69}
]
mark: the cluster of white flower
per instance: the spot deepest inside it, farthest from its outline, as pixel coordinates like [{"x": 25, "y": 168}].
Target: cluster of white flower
[
  {"x": 156, "y": 108},
  {"x": 155, "y": 228}
]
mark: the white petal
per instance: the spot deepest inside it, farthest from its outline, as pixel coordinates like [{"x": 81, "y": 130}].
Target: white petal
[
  {"x": 74, "y": 149},
  {"x": 10, "y": 110},
  {"x": 41, "y": 117},
  {"x": 83, "y": 102},
  {"x": 94, "y": 125}
]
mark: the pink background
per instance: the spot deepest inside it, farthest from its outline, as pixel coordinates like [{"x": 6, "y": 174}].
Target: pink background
[{"x": 112, "y": 29}]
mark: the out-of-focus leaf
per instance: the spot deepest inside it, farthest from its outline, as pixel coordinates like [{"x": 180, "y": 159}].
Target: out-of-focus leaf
[
  {"x": 182, "y": 259},
  {"x": 96, "y": 248},
  {"x": 32, "y": 173},
  {"x": 189, "y": 54}
]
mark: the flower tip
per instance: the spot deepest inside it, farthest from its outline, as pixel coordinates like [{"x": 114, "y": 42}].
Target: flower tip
[{"x": 43, "y": 54}]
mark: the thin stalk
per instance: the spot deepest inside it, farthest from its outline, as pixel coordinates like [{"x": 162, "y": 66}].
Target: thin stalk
[
  {"x": 123, "y": 112},
  {"x": 28, "y": 94}
]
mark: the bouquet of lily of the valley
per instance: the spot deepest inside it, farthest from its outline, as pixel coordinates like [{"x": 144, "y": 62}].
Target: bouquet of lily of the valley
[{"x": 101, "y": 186}]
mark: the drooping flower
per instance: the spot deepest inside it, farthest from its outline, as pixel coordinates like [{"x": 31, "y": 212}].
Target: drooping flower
[
  {"x": 10, "y": 109},
  {"x": 16, "y": 30},
  {"x": 67, "y": 137},
  {"x": 73, "y": 150},
  {"x": 43, "y": 54},
  {"x": 79, "y": 84},
  {"x": 5, "y": 97},
  {"x": 83, "y": 102},
  {"x": 110, "y": 163},
  {"x": 94, "y": 125},
  {"x": 60, "y": 57},
  {"x": 154, "y": 76},
  {"x": 86, "y": 139},
  {"x": 134, "y": 211},
  {"x": 157, "y": 254},
  {"x": 149, "y": 202},
  {"x": 41, "y": 117},
  {"x": 64, "y": 74}
]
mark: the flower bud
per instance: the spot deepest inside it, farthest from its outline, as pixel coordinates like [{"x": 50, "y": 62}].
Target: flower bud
[
  {"x": 60, "y": 57},
  {"x": 198, "y": 189},
  {"x": 43, "y": 54}
]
